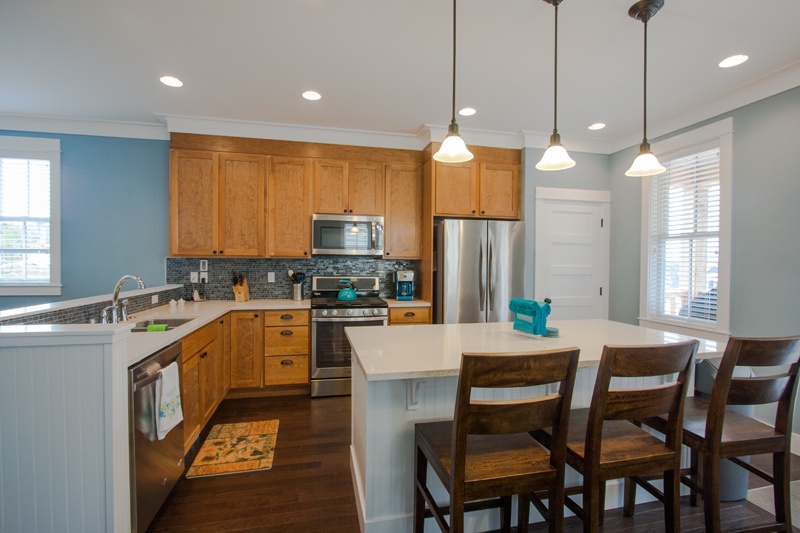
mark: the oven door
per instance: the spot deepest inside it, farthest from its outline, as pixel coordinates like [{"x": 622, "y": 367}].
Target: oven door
[{"x": 330, "y": 349}]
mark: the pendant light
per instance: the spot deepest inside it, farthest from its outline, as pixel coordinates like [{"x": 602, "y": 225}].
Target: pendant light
[
  {"x": 556, "y": 156},
  {"x": 453, "y": 149},
  {"x": 646, "y": 163}
]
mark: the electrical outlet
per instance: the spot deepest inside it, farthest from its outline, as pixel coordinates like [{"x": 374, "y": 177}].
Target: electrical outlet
[
  {"x": 203, "y": 277},
  {"x": 154, "y": 299},
  {"x": 193, "y": 277},
  {"x": 270, "y": 277},
  {"x": 203, "y": 265}
]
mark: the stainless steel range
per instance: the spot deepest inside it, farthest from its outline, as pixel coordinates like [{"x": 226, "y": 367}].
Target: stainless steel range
[{"x": 330, "y": 349}]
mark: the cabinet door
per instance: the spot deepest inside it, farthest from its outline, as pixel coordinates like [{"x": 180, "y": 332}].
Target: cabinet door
[
  {"x": 225, "y": 349},
  {"x": 456, "y": 189},
  {"x": 242, "y": 205},
  {"x": 499, "y": 190},
  {"x": 289, "y": 195},
  {"x": 330, "y": 187},
  {"x": 190, "y": 401},
  {"x": 210, "y": 378},
  {"x": 403, "y": 237},
  {"x": 193, "y": 202},
  {"x": 247, "y": 349},
  {"x": 399, "y": 316},
  {"x": 366, "y": 189}
]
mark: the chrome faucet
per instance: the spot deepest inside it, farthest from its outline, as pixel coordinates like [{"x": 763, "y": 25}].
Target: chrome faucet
[{"x": 119, "y": 313}]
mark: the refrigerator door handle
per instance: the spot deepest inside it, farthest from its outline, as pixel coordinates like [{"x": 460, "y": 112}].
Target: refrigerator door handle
[
  {"x": 482, "y": 280},
  {"x": 491, "y": 278}
]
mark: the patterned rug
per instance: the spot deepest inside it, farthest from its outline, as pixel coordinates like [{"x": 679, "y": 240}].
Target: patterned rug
[{"x": 234, "y": 448}]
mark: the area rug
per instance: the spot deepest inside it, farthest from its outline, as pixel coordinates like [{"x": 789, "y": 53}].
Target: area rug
[
  {"x": 763, "y": 497},
  {"x": 235, "y": 448}
]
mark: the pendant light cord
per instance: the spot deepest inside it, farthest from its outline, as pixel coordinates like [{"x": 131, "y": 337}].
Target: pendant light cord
[
  {"x": 555, "y": 71},
  {"x": 644, "y": 114},
  {"x": 453, "y": 116}
]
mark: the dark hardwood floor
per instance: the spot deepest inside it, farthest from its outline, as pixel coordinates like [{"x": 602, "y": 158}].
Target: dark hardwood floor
[{"x": 308, "y": 489}]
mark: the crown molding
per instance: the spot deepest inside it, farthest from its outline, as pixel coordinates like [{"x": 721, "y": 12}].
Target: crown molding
[{"x": 101, "y": 128}]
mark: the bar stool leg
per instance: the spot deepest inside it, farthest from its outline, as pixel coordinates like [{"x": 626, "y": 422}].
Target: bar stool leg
[
  {"x": 672, "y": 501},
  {"x": 781, "y": 489},
  {"x": 591, "y": 505},
  {"x": 419, "y": 501},
  {"x": 711, "y": 494}
]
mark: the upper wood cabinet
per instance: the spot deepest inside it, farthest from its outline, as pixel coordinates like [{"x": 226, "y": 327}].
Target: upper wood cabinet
[
  {"x": 472, "y": 189},
  {"x": 217, "y": 204},
  {"x": 403, "y": 235},
  {"x": 353, "y": 188},
  {"x": 290, "y": 193}
]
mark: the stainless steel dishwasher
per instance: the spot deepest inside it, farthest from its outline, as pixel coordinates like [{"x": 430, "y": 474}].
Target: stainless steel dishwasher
[{"x": 156, "y": 465}]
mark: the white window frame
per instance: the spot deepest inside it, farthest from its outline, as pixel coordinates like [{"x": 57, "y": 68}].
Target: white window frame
[
  {"x": 718, "y": 134},
  {"x": 40, "y": 148}
]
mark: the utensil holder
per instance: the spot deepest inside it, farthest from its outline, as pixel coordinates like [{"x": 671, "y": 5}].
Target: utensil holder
[{"x": 297, "y": 291}]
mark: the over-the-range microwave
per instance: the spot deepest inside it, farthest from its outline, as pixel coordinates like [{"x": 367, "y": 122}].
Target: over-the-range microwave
[{"x": 347, "y": 235}]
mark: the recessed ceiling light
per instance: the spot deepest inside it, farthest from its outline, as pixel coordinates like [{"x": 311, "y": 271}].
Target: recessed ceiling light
[
  {"x": 312, "y": 95},
  {"x": 733, "y": 61},
  {"x": 597, "y": 126},
  {"x": 467, "y": 112},
  {"x": 171, "y": 81}
]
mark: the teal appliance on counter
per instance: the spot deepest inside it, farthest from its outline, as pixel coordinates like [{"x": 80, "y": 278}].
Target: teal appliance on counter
[
  {"x": 404, "y": 285},
  {"x": 348, "y": 292}
]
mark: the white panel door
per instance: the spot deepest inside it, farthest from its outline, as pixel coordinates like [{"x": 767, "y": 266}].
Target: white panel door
[{"x": 572, "y": 252}]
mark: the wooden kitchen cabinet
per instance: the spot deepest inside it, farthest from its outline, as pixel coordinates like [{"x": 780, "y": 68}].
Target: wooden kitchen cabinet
[
  {"x": 290, "y": 193},
  {"x": 247, "y": 348},
  {"x": 217, "y": 204},
  {"x": 404, "y": 316},
  {"x": 225, "y": 349},
  {"x": 472, "y": 189},
  {"x": 286, "y": 347},
  {"x": 403, "y": 234},
  {"x": 201, "y": 387},
  {"x": 352, "y": 188}
]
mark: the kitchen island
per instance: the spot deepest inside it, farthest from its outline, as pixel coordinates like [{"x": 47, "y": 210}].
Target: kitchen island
[{"x": 406, "y": 375}]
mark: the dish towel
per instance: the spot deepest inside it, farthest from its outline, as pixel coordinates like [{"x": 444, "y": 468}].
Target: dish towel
[{"x": 168, "y": 400}]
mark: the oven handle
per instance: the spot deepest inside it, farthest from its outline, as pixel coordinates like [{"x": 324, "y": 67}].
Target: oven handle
[{"x": 349, "y": 319}]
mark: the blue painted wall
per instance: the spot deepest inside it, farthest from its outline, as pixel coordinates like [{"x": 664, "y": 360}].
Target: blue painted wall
[{"x": 114, "y": 214}]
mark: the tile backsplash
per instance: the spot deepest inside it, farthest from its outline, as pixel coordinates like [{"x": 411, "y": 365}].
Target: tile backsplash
[{"x": 220, "y": 271}]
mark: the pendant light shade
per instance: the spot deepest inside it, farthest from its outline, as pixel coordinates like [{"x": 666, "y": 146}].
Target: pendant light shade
[
  {"x": 556, "y": 156},
  {"x": 646, "y": 163},
  {"x": 453, "y": 149}
]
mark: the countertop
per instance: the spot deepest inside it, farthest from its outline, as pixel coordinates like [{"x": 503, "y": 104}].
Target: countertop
[{"x": 424, "y": 351}]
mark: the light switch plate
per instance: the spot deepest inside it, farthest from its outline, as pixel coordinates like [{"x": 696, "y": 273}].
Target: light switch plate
[
  {"x": 203, "y": 277},
  {"x": 204, "y": 265},
  {"x": 193, "y": 277},
  {"x": 154, "y": 299},
  {"x": 270, "y": 277}
]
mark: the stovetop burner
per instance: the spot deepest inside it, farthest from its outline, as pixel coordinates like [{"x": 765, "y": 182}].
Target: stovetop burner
[
  {"x": 325, "y": 291},
  {"x": 331, "y": 302}
]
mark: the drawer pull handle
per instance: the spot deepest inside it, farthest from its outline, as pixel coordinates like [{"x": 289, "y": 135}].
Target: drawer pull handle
[
  {"x": 287, "y": 362},
  {"x": 203, "y": 355},
  {"x": 410, "y": 314},
  {"x": 287, "y": 332},
  {"x": 286, "y": 317}
]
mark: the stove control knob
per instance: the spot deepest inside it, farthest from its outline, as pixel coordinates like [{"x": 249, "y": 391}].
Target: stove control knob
[
  {"x": 324, "y": 312},
  {"x": 366, "y": 311},
  {"x": 349, "y": 312},
  {"x": 334, "y": 312},
  {"x": 375, "y": 312}
]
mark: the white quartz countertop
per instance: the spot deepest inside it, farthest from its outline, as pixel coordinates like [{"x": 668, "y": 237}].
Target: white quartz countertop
[{"x": 424, "y": 351}]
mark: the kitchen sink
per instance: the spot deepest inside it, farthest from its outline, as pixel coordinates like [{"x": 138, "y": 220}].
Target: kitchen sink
[{"x": 169, "y": 323}]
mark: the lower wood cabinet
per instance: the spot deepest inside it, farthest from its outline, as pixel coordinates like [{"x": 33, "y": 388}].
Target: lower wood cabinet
[
  {"x": 247, "y": 348},
  {"x": 286, "y": 347},
  {"x": 405, "y": 316},
  {"x": 202, "y": 387}
]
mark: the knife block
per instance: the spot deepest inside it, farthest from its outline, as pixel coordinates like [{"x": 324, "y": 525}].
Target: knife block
[{"x": 241, "y": 293}]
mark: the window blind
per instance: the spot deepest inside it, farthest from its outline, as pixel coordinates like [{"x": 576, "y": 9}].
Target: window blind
[
  {"x": 24, "y": 220},
  {"x": 684, "y": 239}
]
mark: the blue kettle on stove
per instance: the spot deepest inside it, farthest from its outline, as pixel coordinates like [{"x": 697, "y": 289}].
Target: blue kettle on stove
[{"x": 348, "y": 292}]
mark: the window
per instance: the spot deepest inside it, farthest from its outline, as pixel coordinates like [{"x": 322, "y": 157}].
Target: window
[
  {"x": 686, "y": 233},
  {"x": 30, "y": 246}
]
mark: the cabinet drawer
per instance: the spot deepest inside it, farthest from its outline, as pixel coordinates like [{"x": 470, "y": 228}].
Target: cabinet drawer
[
  {"x": 286, "y": 318},
  {"x": 286, "y": 340},
  {"x": 285, "y": 370},
  {"x": 409, "y": 315},
  {"x": 192, "y": 343}
]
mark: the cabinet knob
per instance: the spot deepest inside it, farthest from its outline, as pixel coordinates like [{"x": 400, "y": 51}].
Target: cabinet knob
[
  {"x": 350, "y": 211},
  {"x": 287, "y": 362},
  {"x": 287, "y": 332},
  {"x": 305, "y": 253},
  {"x": 388, "y": 253},
  {"x": 255, "y": 315},
  {"x": 473, "y": 211},
  {"x": 203, "y": 355},
  {"x": 410, "y": 314},
  {"x": 222, "y": 252},
  {"x": 483, "y": 212},
  {"x": 344, "y": 211},
  {"x": 287, "y": 317},
  {"x": 214, "y": 252}
]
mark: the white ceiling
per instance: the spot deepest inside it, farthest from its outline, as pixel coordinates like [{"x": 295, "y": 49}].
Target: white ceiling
[{"x": 384, "y": 67}]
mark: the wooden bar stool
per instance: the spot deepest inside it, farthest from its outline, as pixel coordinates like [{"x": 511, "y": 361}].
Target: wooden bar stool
[
  {"x": 602, "y": 443},
  {"x": 714, "y": 432},
  {"x": 485, "y": 455}
]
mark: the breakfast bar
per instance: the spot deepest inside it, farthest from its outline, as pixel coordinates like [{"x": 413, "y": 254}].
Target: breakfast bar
[{"x": 406, "y": 375}]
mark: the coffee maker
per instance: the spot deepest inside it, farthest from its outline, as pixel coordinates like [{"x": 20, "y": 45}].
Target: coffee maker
[{"x": 404, "y": 284}]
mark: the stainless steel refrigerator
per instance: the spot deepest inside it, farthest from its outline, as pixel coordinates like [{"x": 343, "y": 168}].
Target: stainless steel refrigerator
[{"x": 478, "y": 267}]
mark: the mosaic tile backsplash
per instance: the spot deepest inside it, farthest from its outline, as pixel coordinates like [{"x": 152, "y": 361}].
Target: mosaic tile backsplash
[{"x": 220, "y": 272}]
